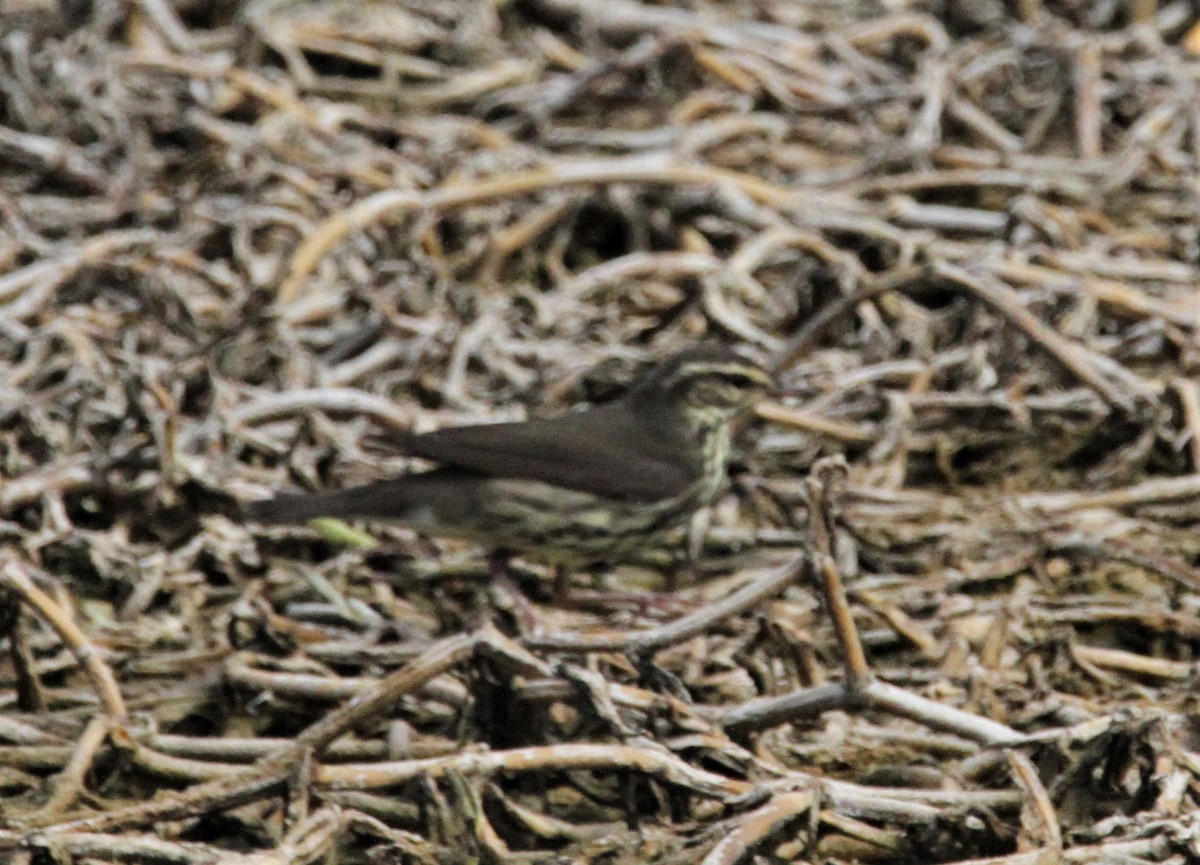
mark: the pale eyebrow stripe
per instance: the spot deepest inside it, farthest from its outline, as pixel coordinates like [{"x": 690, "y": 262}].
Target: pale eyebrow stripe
[{"x": 744, "y": 370}]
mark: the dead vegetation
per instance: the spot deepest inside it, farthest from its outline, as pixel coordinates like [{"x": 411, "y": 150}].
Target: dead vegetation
[{"x": 948, "y": 609}]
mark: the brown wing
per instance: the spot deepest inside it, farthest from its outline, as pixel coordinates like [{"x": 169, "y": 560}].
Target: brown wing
[{"x": 605, "y": 451}]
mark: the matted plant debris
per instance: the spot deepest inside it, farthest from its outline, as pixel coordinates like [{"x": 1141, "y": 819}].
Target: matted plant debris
[{"x": 946, "y": 611}]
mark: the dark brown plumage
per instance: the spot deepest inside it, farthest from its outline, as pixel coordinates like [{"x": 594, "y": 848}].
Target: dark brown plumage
[{"x": 584, "y": 486}]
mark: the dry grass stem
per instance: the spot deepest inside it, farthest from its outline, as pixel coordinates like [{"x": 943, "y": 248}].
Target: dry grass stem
[{"x": 947, "y": 609}]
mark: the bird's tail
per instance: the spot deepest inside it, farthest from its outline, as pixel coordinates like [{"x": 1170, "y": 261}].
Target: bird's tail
[{"x": 387, "y": 500}]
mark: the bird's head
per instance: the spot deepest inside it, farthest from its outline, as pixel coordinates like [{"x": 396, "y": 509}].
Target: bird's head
[{"x": 709, "y": 380}]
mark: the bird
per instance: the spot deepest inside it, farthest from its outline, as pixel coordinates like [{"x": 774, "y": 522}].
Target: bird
[{"x": 587, "y": 487}]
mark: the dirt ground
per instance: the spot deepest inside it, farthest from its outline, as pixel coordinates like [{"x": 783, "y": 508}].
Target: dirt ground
[{"x": 947, "y": 608}]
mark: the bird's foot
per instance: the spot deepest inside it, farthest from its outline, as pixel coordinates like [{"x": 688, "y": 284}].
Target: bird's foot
[
  {"x": 510, "y": 596},
  {"x": 642, "y": 603}
]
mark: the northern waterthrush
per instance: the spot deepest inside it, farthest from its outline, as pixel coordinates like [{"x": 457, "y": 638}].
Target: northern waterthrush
[{"x": 585, "y": 487}]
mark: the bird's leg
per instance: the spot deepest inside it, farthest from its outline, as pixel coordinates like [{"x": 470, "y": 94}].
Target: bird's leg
[
  {"x": 498, "y": 564},
  {"x": 697, "y": 529},
  {"x": 602, "y": 598},
  {"x": 526, "y": 616},
  {"x": 562, "y": 585}
]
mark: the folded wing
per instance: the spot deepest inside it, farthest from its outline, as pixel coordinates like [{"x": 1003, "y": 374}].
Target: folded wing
[{"x": 603, "y": 451}]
